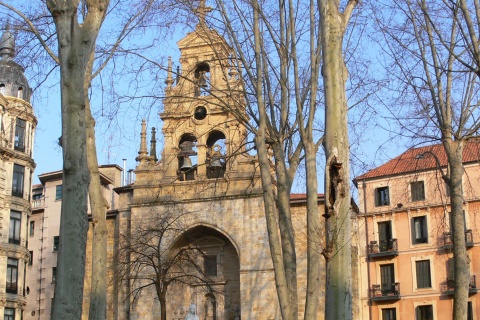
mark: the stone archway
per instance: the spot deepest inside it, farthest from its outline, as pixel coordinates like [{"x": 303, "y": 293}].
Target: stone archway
[{"x": 219, "y": 299}]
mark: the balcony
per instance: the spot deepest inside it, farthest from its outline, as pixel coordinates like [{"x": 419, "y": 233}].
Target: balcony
[
  {"x": 472, "y": 286},
  {"x": 385, "y": 292},
  {"x": 385, "y": 248},
  {"x": 38, "y": 203},
  {"x": 448, "y": 240}
]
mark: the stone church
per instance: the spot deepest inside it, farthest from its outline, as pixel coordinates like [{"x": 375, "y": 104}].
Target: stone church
[{"x": 206, "y": 172}]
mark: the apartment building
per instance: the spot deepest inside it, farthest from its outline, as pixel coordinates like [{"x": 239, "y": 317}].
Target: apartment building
[
  {"x": 17, "y": 128},
  {"x": 405, "y": 245},
  {"x": 43, "y": 237}
]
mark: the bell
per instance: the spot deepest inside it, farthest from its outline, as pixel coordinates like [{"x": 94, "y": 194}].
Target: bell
[
  {"x": 202, "y": 80},
  {"x": 215, "y": 164},
  {"x": 187, "y": 164}
]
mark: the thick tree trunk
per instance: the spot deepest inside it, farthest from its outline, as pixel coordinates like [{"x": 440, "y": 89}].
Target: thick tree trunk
[
  {"x": 454, "y": 150},
  {"x": 338, "y": 304},
  {"x": 73, "y": 223},
  {"x": 76, "y": 44}
]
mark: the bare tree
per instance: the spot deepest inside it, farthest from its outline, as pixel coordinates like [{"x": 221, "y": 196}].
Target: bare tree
[
  {"x": 434, "y": 52},
  {"x": 149, "y": 259},
  {"x": 277, "y": 52},
  {"x": 72, "y": 28},
  {"x": 338, "y": 302}
]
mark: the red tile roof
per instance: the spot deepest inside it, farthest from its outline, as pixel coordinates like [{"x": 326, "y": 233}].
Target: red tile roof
[{"x": 418, "y": 159}]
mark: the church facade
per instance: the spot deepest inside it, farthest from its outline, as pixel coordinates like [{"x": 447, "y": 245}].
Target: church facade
[{"x": 205, "y": 175}]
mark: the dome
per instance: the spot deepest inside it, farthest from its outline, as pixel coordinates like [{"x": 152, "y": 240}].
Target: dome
[{"x": 13, "y": 82}]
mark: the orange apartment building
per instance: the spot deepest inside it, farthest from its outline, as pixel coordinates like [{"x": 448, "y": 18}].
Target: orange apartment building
[{"x": 404, "y": 237}]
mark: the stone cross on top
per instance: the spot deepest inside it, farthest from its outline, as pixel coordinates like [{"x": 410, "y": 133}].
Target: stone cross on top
[{"x": 202, "y": 11}]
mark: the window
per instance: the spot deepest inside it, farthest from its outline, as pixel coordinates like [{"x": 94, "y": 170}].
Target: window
[
  {"x": 470, "y": 311},
  {"x": 14, "y": 231},
  {"x": 54, "y": 274},
  {"x": 210, "y": 265},
  {"x": 387, "y": 278},
  {"x": 30, "y": 259},
  {"x": 58, "y": 192},
  {"x": 424, "y": 312},
  {"x": 450, "y": 273},
  {"x": 389, "y": 314},
  {"x": 385, "y": 235},
  {"x": 447, "y": 190},
  {"x": 20, "y": 135},
  {"x": 56, "y": 242},
  {"x": 419, "y": 230},
  {"x": 202, "y": 80},
  {"x": 423, "y": 274},
  {"x": 37, "y": 196},
  {"x": 9, "y": 314},
  {"x": 12, "y": 275},
  {"x": 418, "y": 191},
  {"x": 17, "y": 180},
  {"x": 32, "y": 228},
  {"x": 381, "y": 197}
]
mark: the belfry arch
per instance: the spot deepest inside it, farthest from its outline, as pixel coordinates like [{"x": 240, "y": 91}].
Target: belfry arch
[{"x": 219, "y": 298}]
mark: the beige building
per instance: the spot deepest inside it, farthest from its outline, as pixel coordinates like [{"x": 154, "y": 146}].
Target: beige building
[
  {"x": 43, "y": 236},
  {"x": 404, "y": 237},
  {"x": 204, "y": 174},
  {"x": 17, "y": 125}
]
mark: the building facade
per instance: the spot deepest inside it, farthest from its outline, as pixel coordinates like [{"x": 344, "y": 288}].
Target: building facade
[
  {"x": 43, "y": 237},
  {"x": 17, "y": 128},
  {"x": 206, "y": 174},
  {"x": 207, "y": 178},
  {"x": 404, "y": 237}
]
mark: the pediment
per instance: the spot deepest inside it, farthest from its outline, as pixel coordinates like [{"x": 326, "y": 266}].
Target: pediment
[{"x": 202, "y": 37}]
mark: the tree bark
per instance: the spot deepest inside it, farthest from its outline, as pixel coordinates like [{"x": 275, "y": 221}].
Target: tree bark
[
  {"x": 162, "y": 296},
  {"x": 98, "y": 208},
  {"x": 313, "y": 233},
  {"x": 76, "y": 43},
  {"x": 454, "y": 150},
  {"x": 287, "y": 310},
  {"x": 338, "y": 304}
]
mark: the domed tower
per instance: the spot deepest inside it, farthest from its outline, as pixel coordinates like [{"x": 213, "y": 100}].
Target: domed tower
[{"x": 17, "y": 127}]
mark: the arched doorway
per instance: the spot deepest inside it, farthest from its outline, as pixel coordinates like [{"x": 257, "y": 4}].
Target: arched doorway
[{"x": 218, "y": 296}]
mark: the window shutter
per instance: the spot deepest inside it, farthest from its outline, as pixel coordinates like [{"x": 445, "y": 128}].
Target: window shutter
[
  {"x": 412, "y": 224},
  {"x": 450, "y": 269}
]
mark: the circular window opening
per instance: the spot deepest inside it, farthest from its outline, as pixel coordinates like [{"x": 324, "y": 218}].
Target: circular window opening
[{"x": 200, "y": 113}]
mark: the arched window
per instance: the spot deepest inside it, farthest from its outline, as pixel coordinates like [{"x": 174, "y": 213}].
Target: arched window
[
  {"x": 216, "y": 152},
  {"x": 210, "y": 307},
  {"x": 2, "y": 88},
  {"x": 202, "y": 80},
  {"x": 187, "y": 158},
  {"x": 20, "y": 93}
]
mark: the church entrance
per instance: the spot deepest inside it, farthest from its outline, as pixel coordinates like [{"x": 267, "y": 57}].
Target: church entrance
[{"x": 217, "y": 295}]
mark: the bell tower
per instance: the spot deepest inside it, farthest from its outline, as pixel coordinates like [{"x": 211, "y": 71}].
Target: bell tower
[{"x": 204, "y": 116}]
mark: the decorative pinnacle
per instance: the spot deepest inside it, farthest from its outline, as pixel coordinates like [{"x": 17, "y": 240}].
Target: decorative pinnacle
[
  {"x": 7, "y": 45},
  {"x": 143, "y": 153},
  {"x": 169, "y": 80},
  {"x": 153, "y": 146}
]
